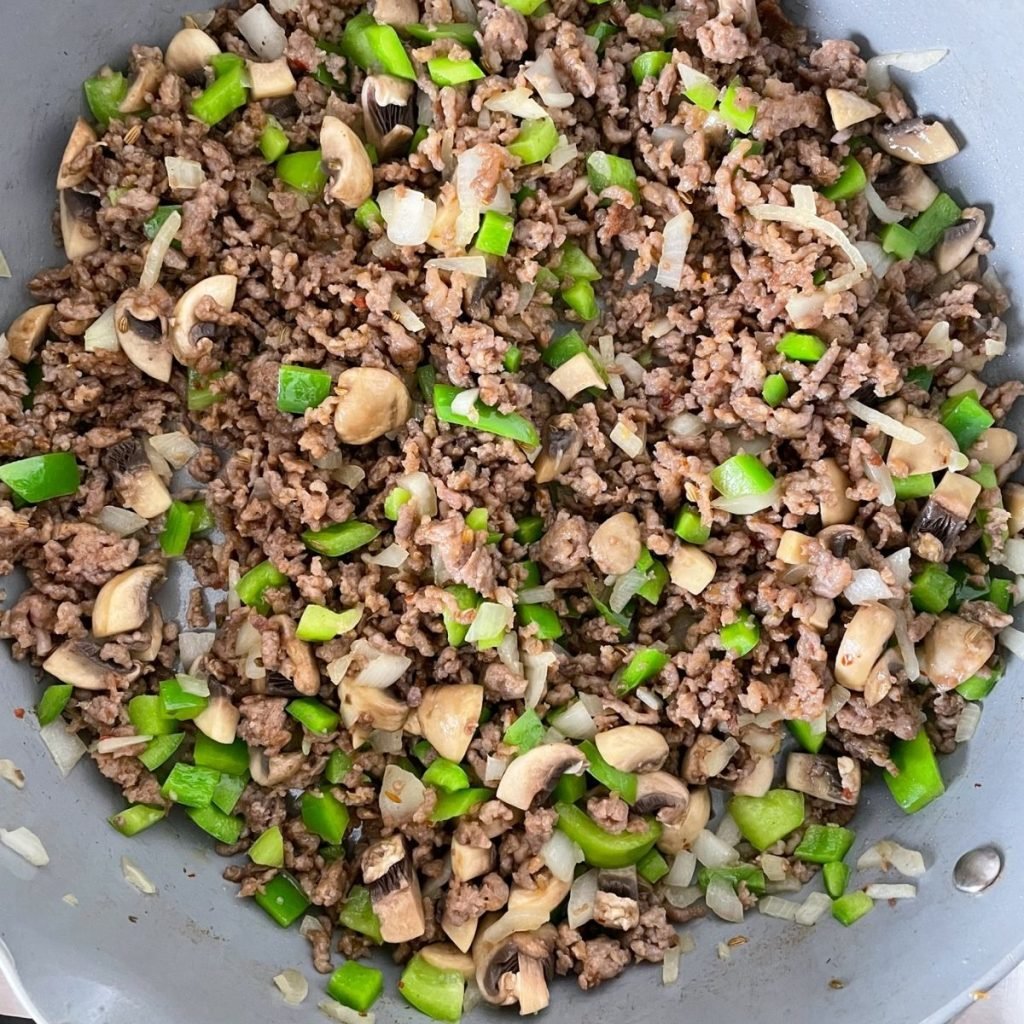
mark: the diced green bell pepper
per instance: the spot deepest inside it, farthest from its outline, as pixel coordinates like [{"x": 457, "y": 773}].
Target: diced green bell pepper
[
  {"x": 316, "y": 717},
  {"x": 53, "y": 702},
  {"x": 466, "y": 598},
  {"x": 803, "y": 733},
  {"x": 764, "y": 820},
  {"x": 252, "y": 586},
  {"x": 137, "y": 818},
  {"x": 300, "y": 387},
  {"x": 751, "y": 876},
  {"x": 457, "y": 803},
  {"x": 160, "y": 749},
  {"x": 42, "y": 477},
  {"x": 852, "y": 907},
  {"x": 644, "y": 665},
  {"x": 283, "y": 899},
  {"x": 526, "y": 732},
  {"x": 823, "y": 844},
  {"x": 603, "y": 849},
  {"x": 618, "y": 781},
  {"x": 489, "y": 420},
  {"x": 340, "y": 538},
  {"x": 324, "y": 815},
  {"x": 356, "y": 986},
  {"x": 919, "y": 781},
  {"x": 437, "y": 993},
  {"x": 190, "y": 785},
  {"x": 223, "y": 827},
  {"x": 147, "y": 715},
  {"x": 357, "y": 914},
  {"x": 268, "y": 849}
]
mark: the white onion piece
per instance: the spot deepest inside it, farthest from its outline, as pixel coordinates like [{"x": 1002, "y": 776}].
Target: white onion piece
[
  {"x": 394, "y": 556},
  {"x": 527, "y": 290},
  {"x": 408, "y": 214},
  {"x": 536, "y": 595},
  {"x": 627, "y": 439},
  {"x": 686, "y": 424},
  {"x": 878, "y": 260},
  {"x": 464, "y": 404},
  {"x": 1013, "y": 640},
  {"x": 901, "y": 891},
  {"x": 292, "y": 985},
  {"x": 284, "y": 6},
  {"x": 561, "y": 855},
  {"x": 684, "y": 897},
  {"x": 343, "y": 1014},
  {"x": 631, "y": 369},
  {"x": 112, "y": 744},
  {"x": 670, "y": 965},
  {"x": 878, "y": 207},
  {"x": 908, "y": 653},
  {"x": 722, "y": 900},
  {"x": 195, "y": 685},
  {"x": 134, "y": 876},
  {"x": 542, "y": 76},
  {"x": 649, "y": 697},
  {"x": 65, "y": 747},
  {"x": 401, "y": 795},
  {"x": 536, "y": 666},
  {"x": 786, "y": 885},
  {"x": 576, "y": 722},
  {"x": 26, "y": 844},
  {"x": 120, "y": 521},
  {"x": 471, "y": 266},
  {"x": 262, "y": 33},
  {"x": 494, "y": 769},
  {"x": 158, "y": 251},
  {"x": 404, "y": 314},
  {"x": 420, "y": 486},
  {"x": 887, "y": 854},
  {"x": 183, "y": 174},
  {"x": 938, "y": 339},
  {"x": 728, "y": 831},
  {"x": 176, "y": 447},
  {"x": 675, "y": 134},
  {"x": 805, "y": 309},
  {"x": 471, "y": 176},
  {"x": 886, "y": 424},
  {"x": 867, "y": 585},
  {"x": 490, "y": 620},
  {"x": 582, "y": 896},
  {"x": 967, "y": 726},
  {"x": 816, "y": 904},
  {"x": 681, "y": 873},
  {"x": 11, "y": 773},
  {"x": 508, "y": 652},
  {"x": 715, "y": 763},
  {"x": 775, "y": 868},
  {"x": 748, "y": 504},
  {"x": 878, "y": 473},
  {"x": 1012, "y": 555},
  {"x": 838, "y": 697},
  {"x": 677, "y": 234},
  {"x": 775, "y": 906},
  {"x": 383, "y": 670},
  {"x": 712, "y": 852},
  {"x": 564, "y": 153},
  {"x": 877, "y": 71},
  {"x": 100, "y": 335},
  {"x": 592, "y": 702},
  {"x": 518, "y": 102},
  {"x": 899, "y": 564},
  {"x": 625, "y": 588},
  {"x": 5, "y": 268}
]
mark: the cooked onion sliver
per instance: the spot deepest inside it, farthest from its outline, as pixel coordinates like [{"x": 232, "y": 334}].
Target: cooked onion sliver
[
  {"x": 158, "y": 251},
  {"x": 886, "y": 424},
  {"x": 576, "y": 722},
  {"x": 65, "y": 747},
  {"x": 394, "y": 556},
  {"x": 420, "y": 486},
  {"x": 712, "y": 852},
  {"x": 134, "y": 876},
  {"x": 518, "y": 102},
  {"x": 877, "y": 258},
  {"x": 908, "y": 653},
  {"x": 262, "y": 33},
  {"x": 1012, "y": 555},
  {"x": 471, "y": 266},
  {"x": 112, "y": 744},
  {"x": 775, "y": 906},
  {"x": 582, "y": 896},
  {"x": 536, "y": 667},
  {"x": 408, "y": 214},
  {"x": 494, "y": 770},
  {"x": 878, "y": 207},
  {"x": 903, "y": 891},
  {"x": 536, "y": 595},
  {"x": 562, "y": 155},
  {"x": 11, "y": 773},
  {"x": 183, "y": 174},
  {"x": 627, "y": 439},
  {"x": 5, "y": 269},
  {"x": 686, "y": 425},
  {"x": 681, "y": 873},
  {"x": 967, "y": 726},
  {"x": 677, "y": 234},
  {"x": 383, "y": 670},
  {"x": 775, "y": 868},
  {"x": 625, "y": 588},
  {"x": 176, "y": 447},
  {"x": 722, "y": 900},
  {"x": 26, "y": 844},
  {"x": 404, "y": 314},
  {"x": 887, "y": 854},
  {"x": 878, "y": 473},
  {"x": 344, "y": 1014},
  {"x": 122, "y": 522},
  {"x": 100, "y": 335},
  {"x": 748, "y": 504},
  {"x": 670, "y": 965},
  {"x": 542, "y": 76},
  {"x": 1013, "y": 640},
  {"x": 715, "y": 763},
  {"x": 812, "y": 909},
  {"x": 292, "y": 985},
  {"x": 899, "y": 563},
  {"x": 464, "y": 404},
  {"x": 728, "y": 831},
  {"x": 561, "y": 855},
  {"x": 877, "y": 72}
]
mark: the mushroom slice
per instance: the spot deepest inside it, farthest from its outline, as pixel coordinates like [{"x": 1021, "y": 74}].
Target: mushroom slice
[
  {"x": 364, "y": 709},
  {"x": 794, "y": 548},
  {"x": 142, "y": 332},
  {"x": 939, "y": 524},
  {"x": 147, "y": 649},
  {"x": 633, "y": 748},
  {"x": 136, "y": 482},
  {"x": 959, "y": 240},
  {"x": 864, "y": 639},
  {"x": 463, "y": 934},
  {"x": 394, "y": 890},
  {"x": 1013, "y": 501},
  {"x": 371, "y": 402},
  {"x": 995, "y": 446},
  {"x": 189, "y": 52},
  {"x": 122, "y": 605},
  {"x": 78, "y": 662},
  {"x": 917, "y": 141},
  {"x": 447, "y": 957},
  {"x": 928, "y": 456},
  {"x": 560, "y": 447},
  {"x": 833, "y": 503},
  {"x": 74, "y": 169},
  {"x": 301, "y": 668},
  {"x": 347, "y": 162},
  {"x": 678, "y": 836},
  {"x": 274, "y": 770},
  {"x": 219, "y": 719},
  {"x": 757, "y": 780},
  {"x": 514, "y": 969},
  {"x": 388, "y": 112},
  {"x": 448, "y": 717},
  {"x": 469, "y": 862},
  {"x": 914, "y": 188},
  {"x": 78, "y": 223},
  {"x": 707, "y": 757},
  {"x": 661, "y": 794},
  {"x": 542, "y": 899},
  {"x": 28, "y": 330},
  {"x": 954, "y": 650},
  {"x": 836, "y": 780},
  {"x": 187, "y": 330},
  {"x": 617, "y": 904},
  {"x": 269, "y": 80},
  {"x": 144, "y": 84},
  {"x": 882, "y": 677},
  {"x": 847, "y": 108},
  {"x": 533, "y": 775},
  {"x": 616, "y": 544}
]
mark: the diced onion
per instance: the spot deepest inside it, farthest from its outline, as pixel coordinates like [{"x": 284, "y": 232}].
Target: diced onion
[
  {"x": 383, "y": 670},
  {"x": 627, "y": 439},
  {"x": 681, "y": 873},
  {"x": 582, "y": 897},
  {"x": 902, "y": 891},
  {"x": 812, "y": 909},
  {"x": 877, "y": 71},
  {"x": 491, "y": 620},
  {"x": 886, "y": 424},
  {"x": 100, "y": 335},
  {"x": 1013, "y": 640},
  {"x": 675, "y": 134},
  {"x": 625, "y": 588},
  {"x": 26, "y": 844},
  {"x": 887, "y": 854},
  {"x": 631, "y": 369},
  {"x": 408, "y": 214},
  {"x": 878, "y": 207},
  {"x": 536, "y": 666},
  {"x": 938, "y": 339},
  {"x": 968, "y": 723},
  {"x": 786, "y": 885},
  {"x": 5, "y": 269},
  {"x": 775, "y": 868},
  {"x": 345, "y": 1015},
  {"x": 561, "y": 855},
  {"x": 401, "y": 795},
  {"x": 65, "y": 747},
  {"x": 712, "y": 852},
  {"x": 262, "y": 33},
  {"x": 494, "y": 769},
  {"x": 722, "y": 900},
  {"x": 292, "y": 985},
  {"x": 542, "y": 76},
  {"x": 670, "y": 965},
  {"x": 112, "y": 744},
  {"x": 518, "y": 102},
  {"x": 775, "y": 906},
  {"x": 464, "y": 404},
  {"x": 527, "y": 290},
  {"x": 122, "y": 522},
  {"x": 536, "y": 595},
  {"x": 649, "y": 697},
  {"x": 284, "y": 6},
  {"x": 715, "y": 763},
  {"x": 899, "y": 565},
  {"x": 1013, "y": 555},
  {"x": 134, "y": 876},
  {"x": 508, "y": 652},
  {"x": 176, "y": 447},
  {"x": 677, "y": 234},
  {"x": 158, "y": 251},
  {"x": 195, "y": 685},
  {"x": 681, "y": 898},
  {"x": 748, "y": 504},
  {"x": 11, "y": 773},
  {"x": 692, "y": 78},
  {"x": 867, "y": 585},
  {"x": 420, "y": 486},
  {"x": 562, "y": 155},
  {"x": 686, "y": 424},
  {"x": 576, "y": 722},
  {"x": 877, "y": 258},
  {"x": 805, "y": 309},
  {"x": 728, "y": 831},
  {"x": 70, "y": 899},
  {"x": 471, "y": 266},
  {"x": 908, "y": 653},
  {"x": 838, "y": 697},
  {"x": 183, "y": 174},
  {"x": 349, "y": 475},
  {"x": 404, "y": 314},
  {"x": 394, "y": 556}
]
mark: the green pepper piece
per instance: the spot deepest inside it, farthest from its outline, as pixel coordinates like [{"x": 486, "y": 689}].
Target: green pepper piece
[
  {"x": 561, "y": 350},
  {"x": 805, "y": 348},
  {"x": 137, "y": 818},
  {"x": 226, "y": 64},
  {"x": 652, "y": 867},
  {"x": 742, "y": 636},
  {"x": 455, "y": 805},
  {"x": 229, "y": 791},
  {"x": 490, "y": 421},
  {"x": 836, "y": 875},
  {"x": 340, "y": 538},
  {"x": 764, "y": 820},
  {"x": 775, "y": 390},
  {"x": 580, "y": 298},
  {"x": 603, "y": 849},
  {"x": 531, "y": 577},
  {"x": 224, "y": 96},
  {"x": 964, "y": 417},
  {"x": 742, "y": 475},
  {"x": 690, "y": 527},
  {"x": 526, "y": 732},
  {"x": 105, "y": 94},
  {"x": 898, "y": 241},
  {"x": 339, "y": 764},
  {"x": 315, "y": 716},
  {"x": 966, "y": 589},
  {"x": 570, "y": 789},
  {"x": 445, "y": 71},
  {"x": 356, "y": 986},
  {"x": 749, "y": 874},
  {"x": 803, "y": 732},
  {"x": 466, "y": 598},
  {"x": 623, "y": 622},
  {"x": 982, "y": 684},
  {"x": 605, "y": 170},
  {"x": 437, "y": 993},
  {"x": 852, "y": 907},
  {"x": 649, "y": 65},
  {"x": 252, "y": 586},
  {"x": 376, "y": 47},
  {"x": 929, "y": 226},
  {"x": 223, "y": 827},
  {"x": 200, "y": 396},
  {"x": 268, "y": 849},
  {"x": 1001, "y": 594},
  {"x": 190, "y": 785},
  {"x": 618, "y": 781},
  {"x": 986, "y": 477},
  {"x": 931, "y": 589},
  {"x": 53, "y": 702},
  {"x": 324, "y": 815},
  {"x": 919, "y": 781},
  {"x": 525, "y": 7},
  {"x": 160, "y": 749},
  {"x": 737, "y": 117},
  {"x": 368, "y": 214},
  {"x": 851, "y": 181},
  {"x": 283, "y": 899},
  {"x": 513, "y": 359},
  {"x": 318, "y": 625},
  {"x": 231, "y": 758},
  {"x": 495, "y": 233},
  {"x": 823, "y": 844},
  {"x": 357, "y": 914},
  {"x": 300, "y": 387},
  {"x": 602, "y": 31},
  {"x": 917, "y": 485},
  {"x": 202, "y": 517},
  {"x": 545, "y": 619},
  {"x": 645, "y": 664},
  {"x": 535, "y": 141},
  {"x": 42, "y": 477},
  {"x": 397, "y": 498},
  {"x": 447, "y": 775},
  {"x": 461, "y": 31},
  {"x": 652, "y": 590},
  {"x": 146, "y": 714},
  {"x": 302, "y": 171},
  {"x": 921, "y": 377},
  {"x": 273, "y": 141},
  {"x": 177, "y": 529}
]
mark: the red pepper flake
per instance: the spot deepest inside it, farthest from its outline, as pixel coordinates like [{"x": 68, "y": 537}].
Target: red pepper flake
[
  {"x": 19, "y": 712},
  {"x": 359, "y": 302}
]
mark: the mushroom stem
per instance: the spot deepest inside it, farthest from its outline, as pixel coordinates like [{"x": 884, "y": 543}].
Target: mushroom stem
[
  {"x": 533, "y": 775},
  {"x": 633, "y": 748},
  {"x": 863, "y": 641},
  {"x": 835, "y": 780},
  {"x": 122, "y": 605}
]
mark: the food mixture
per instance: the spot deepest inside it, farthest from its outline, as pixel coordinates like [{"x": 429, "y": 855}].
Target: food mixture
[{"x": 570, "y": 414}]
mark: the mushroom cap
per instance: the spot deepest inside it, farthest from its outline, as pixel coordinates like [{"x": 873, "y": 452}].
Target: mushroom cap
[
  {"x": 678, "y": 836},
  {"x": 78, "y": 223},
  {"x": 917, "y": 141},
  {"x": 347, "y": 161},
  {"x": 834, "y": 505},
  {"x": 82, "y": 138},
  {"x": 184, "y": 323},
  {"x": 302, "y": 668},
  {"x": 958, "y": 241},
  {"x": 561, "y": 444},
  {"x": 135, "y": 480},
  {"x": 547, "y": 893},
  {"x": 662, "y": 794},
  {"x": 371, "y": 402},
  {"x": 616, "y": 544},
  {"x": 273, "y": 770},
  {"x": 469, "y": 862},
  {"x": 78, "y": 662},
  {"x": 144, "y": 84},
  {"x": 147, "y": 649},
  {"x": 364, "y": 708},
  {"x": 500, "y": 965},
  {"x": 449, "y": 716},
  {"x": 758, "y": 778},
  {"x": 24, "y": 335},
  {"x": 270, "y": 79},
  {"x": 189, "y": 52},
  {"x": 394, "y": 890},
  {"x": 954, "y": 650},
  {"x": 534, "y": 774},
  {"x": 823, "y": 777},
  {"x": 929, "y": 456},
  {"x": 462, "y": 934},
  {"x": 691, "y": 569},
  {"x": 848, "y": 109},
  {"x": 142, "y": 331},
  {"x": 219, "y": 719},
  {"x": 122, "y": 605},
  {"x": 633, "y": 748}
]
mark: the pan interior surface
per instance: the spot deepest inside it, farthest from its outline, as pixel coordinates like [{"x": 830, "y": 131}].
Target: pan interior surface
[{"x": 118, "y": 956}]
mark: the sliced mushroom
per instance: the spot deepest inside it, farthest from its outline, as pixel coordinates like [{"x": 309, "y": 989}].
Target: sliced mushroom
[
  {"x": 74, "y": 167},
  {"x": 135, "y": 480},
  {"x": 995, "y": 446},
  {"x": 848, "y": 109},
  {"x": 469, "y": 862},
  {"x": 301, "y": 668},
  {"x": 954, "y": 650},
  {"x": 863, "y": 641},
  {"x": 617, "y": 904},
  {"x": 927, "y": 456},
  {"x": 446, "y": 957},
  {"x": 364, "y": 709},
  {"x": 939, "y": 524},
  {"x": 917, "y": 141},
  {"x": 389, "y": 112},
  {"x": 821, "y": 615},
  {"x": 616, "y": 544},
  {"x": 576, "y": 375},
  {"x": 546, "y": 894},
  {"x": 78, "y": 223},
  {"x": 533, "y": 775},
  {"x": 462, "y": 934},
  {"x": 219, "y": 719},
  {"x": 274, "y": 770},
  {"x": 514, "y": 969},
  {"x": 661, "y": 794},
  {"x": 78, "y": 662},
  {"x": 915, "y": 190},
  {"x": 144, "y": 84},
  {"x": 794, "y": 548},
  {"x": 394, "y": 890},
  {"x": 757, "y": 779},
  {"x": 707, "y": 757},
  {"x": 122, "y": 605},
  {"x": 28, "y": 330},
  {"x": 882, "y": 677},
  {"x": 560, "y": 447},
  {"x": 691, "y": 569},
  {"x": 371, "y": 402},
  {"x": 959, "y": 240},
  {"x": 186, "y": 329},
  {"x": 449, "y": 716},
  {"x": 678, "y": 836},
  {"x": 833, "y": 503},
  {"x": 142, "y": 331},
  {"x": 270, "y": 80},
  {"x": 347, "y": 162},
  {"x": 1013, "y": 502},
  {"x": 836, "y": 780},
  {"x": 189, "y": 52},
  {"x": 147, "y": 648},
  {"x": 633, "y": 748}
]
